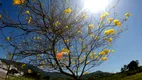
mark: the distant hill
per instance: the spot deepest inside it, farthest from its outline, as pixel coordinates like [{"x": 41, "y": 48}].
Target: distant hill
[{"x": 97, "y": 74}]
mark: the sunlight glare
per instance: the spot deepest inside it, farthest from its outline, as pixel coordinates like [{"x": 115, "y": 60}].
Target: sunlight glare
[{"x": 95, "y": 5}]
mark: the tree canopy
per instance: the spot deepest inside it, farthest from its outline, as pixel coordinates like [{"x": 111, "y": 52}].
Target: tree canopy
[{"x": 59, "y": 35}]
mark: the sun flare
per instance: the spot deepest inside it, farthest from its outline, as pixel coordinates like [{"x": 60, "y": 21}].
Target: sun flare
[{"x": 95, "y": 5}]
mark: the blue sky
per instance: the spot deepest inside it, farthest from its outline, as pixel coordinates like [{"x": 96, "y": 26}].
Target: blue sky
[{"x": 128, "y": 47}]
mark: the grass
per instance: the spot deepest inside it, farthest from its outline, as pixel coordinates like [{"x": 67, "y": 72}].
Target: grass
[
  {"x": 137, "y": 76},
  {"x": 19, "y": 78}
]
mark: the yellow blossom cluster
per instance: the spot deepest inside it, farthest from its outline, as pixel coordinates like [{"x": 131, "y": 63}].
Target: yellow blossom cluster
[
  {"x": 29, "y": 19},
  {"x": 84, "y": 16},
  {"x": 97, "y": 37},
  {"x": 91, "y": 26},
  {"x": 18, "y": 2},
  {"x": 127, "y": 15},
  {"x": 109, "y": 31},
  {"x": 67, "y": 26},
  {"x": 104, "y": 52},
  {"x": 79, "y": 31},
  {"x": 109, "y": 20},
  {"x": 117, "y": 22},
  {"x": 73, "y": 62},
  {"x": 68, "y": 10},
  {"x": 92, "y": 55},
  {"x": 27, "y": 12},
  {"x": 65, "y": 50},
  {"x": 112, "y": 51},
  {"x": 104, "y": 58},
  {"x": 96, "y": 57},
  {"x": 8, "y": 38},
  {"x": 38, "y": 38},
  {"x": 104, "y": 15},
  {"x": 91, "y": 34},
  {"x": 57, "y": 23},
  {"x": 110, "y": 40},
  {"x": 67, "y": 40}
]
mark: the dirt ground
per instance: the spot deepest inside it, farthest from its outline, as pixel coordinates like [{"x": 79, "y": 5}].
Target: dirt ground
[{"x": 2, "y": 75}]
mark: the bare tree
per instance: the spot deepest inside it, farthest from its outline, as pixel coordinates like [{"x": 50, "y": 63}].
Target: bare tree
[{"x": 59, "y": 35}]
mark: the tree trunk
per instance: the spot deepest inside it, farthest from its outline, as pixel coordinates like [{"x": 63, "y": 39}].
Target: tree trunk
[{"x": 76, "y": 78}]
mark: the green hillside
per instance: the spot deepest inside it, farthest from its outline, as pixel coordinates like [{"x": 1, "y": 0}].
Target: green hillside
[
  {"x": 127, "y": 75},
  {"x": 137, "y": 76}
]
